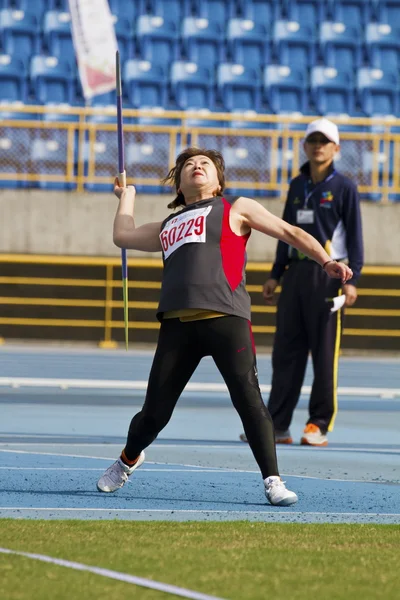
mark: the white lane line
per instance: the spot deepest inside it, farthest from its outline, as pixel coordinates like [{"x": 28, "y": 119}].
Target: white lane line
[
  {"x": 140, "y": 581},
  {"x": 187, "y": 469},
  {"x": 114, "y": 384},
  {"x": 166, "y": 470},
  {"x": 272, "y": 511}
]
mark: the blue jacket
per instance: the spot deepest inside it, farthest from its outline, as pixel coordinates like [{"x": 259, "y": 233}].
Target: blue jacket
[{"x": 337, "y": 219}]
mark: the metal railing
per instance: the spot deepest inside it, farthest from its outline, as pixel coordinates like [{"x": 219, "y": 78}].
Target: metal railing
[
  {"x": 64, "y": 292},
  {"x": 77, "y": 148}
]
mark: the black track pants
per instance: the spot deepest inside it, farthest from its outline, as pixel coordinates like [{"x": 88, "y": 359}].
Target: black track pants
[
  {"x": 305, "y": 323},
  {"x": 181, "y": 346}
]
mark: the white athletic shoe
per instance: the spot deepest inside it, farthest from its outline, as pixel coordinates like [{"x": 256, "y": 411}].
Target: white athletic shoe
[
  {"x": 313, "y": 436},
  {"x": 276, "y": 492},
  {"x": 117, "y": 475}
]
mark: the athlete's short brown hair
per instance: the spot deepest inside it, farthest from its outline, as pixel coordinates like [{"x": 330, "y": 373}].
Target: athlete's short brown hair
[{"x": 174, "y": 175}]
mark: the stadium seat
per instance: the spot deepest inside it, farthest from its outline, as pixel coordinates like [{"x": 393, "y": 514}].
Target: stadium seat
[
  {"x": 248, "y": 42},
  {"x": 148, "y": 159},
  {"x": 310, "y": 12},
  {"x": 12, "y": 78},
  {"x": 14, "y": 151},
  {"x": 57, "y": 36},
  {"x": 294, "y": 44},
  {"x": 124, "y": 34},
  {"x": 173, "y": 9},
  {"x": 126, "y": 10},
  {"x": 35, "y": 7},
  {"x": 238, "y": 87},
  {"x": 383, "y": 46},
  {"x": 145, "y": 83},
  {"x": 215, "y": 11},
  {"x": 157, "y": 39},
  {"x": 58, "y": 5},
  {"x": 388, "y": 11},
  {"x": 19, "y": 33},
  {"x": 202, "y": 41},
  {"x": 49, "y": 156},
  {"x": 263, "y": 11},
  {"x": 191, "y": 85},
  {"x": 350, "y": 11},
  {"x": 340, "y": 45},
  {"x": 285, "y": 89},
  {"x": 52, "y": 80},
  {"x": 106, "y": 99},
  {"x": 332, "y": 90},
  {"x": 246, "y": 160},
  {"x": 378, "y": 92}
]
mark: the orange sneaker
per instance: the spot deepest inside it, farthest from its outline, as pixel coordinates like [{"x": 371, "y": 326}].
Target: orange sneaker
[
  {"x": 283, "y": 437},
  {"x": 313, "y": 436}
]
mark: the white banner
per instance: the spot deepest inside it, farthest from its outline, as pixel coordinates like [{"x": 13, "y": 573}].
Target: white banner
[{"x": 95, "y": 45}]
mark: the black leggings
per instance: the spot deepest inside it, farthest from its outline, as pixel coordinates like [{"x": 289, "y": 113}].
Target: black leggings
[{"x": 181, "y": 346}]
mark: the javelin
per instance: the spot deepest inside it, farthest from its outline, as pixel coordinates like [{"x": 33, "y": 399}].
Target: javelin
[{"x": 122, "y": 183}]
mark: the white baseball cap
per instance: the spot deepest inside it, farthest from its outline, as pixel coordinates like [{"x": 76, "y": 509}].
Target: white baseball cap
[{"x": 324, "y": 126}]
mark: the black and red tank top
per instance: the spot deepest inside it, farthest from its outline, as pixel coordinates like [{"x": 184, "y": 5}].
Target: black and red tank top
[{"x": 204, "y": 260}]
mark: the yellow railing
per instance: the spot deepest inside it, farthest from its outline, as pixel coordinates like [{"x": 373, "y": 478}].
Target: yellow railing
[
  {"x": 26, "y": 297},
  {"x": 83, "y": 153}
]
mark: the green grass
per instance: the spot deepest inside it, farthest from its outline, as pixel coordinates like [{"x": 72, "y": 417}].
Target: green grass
[{"x": 233, "y": 560}]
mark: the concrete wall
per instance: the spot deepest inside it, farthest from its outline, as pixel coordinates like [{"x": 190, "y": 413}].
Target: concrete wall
[{"x": 48, "y": 222}]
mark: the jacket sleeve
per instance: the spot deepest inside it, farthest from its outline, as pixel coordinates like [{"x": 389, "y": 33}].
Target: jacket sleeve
[
  {"x": 282, "y": 249},
  {"x": 351, "y": 216}
]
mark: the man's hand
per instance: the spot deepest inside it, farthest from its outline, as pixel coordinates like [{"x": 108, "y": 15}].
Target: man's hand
[
  {"x": 338, "y": 270},
  {"x": 118, "y": 190},
  {"x": 268, "y": 290},
  {"x": 350, "y": 291}
]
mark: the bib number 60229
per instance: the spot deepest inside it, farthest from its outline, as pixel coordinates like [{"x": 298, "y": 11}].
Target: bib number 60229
[{"x": 181, "y": 231}]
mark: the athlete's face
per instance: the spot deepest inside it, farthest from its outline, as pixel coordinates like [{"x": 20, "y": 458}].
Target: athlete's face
[
  {"x": 199, "y": 174},
  {"x": 319, "y": 149}
]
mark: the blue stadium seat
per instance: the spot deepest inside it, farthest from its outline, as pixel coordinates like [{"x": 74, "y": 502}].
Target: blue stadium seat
[
  {"x": 246, "y": 159},
  {"x": 124, "y": 9},
  {"x": 49, "y": 156},
  {"x": 248, "y": 42},
  {"x": 310, "y": 12},
  {"x": 147, "y": 158},
  {"x": 19, "y": 33},
  {"x": 59, "y": 5},
  {"x": 12, "y": 78},
  {"x": 35, "y": 7},
  {"x": 238, "y": 87},
  {"x": 145, "y": 83},
  {"x": 294, "y": 44},
  {"x": 388, "y": 11},
  {"x": 378, "y": 92},
  {"x": 124, "y": 33},
  {"x": 285, "y": 89},
  {"x": 191, "y": 85},
  {"x": 52, "y": 80},
  {"x": 383, "y": 46},
  {"x": 202, "y": 41},
  {"x": 332, "y": 90},
  {"x": 173, "y": 9},
  {"x": 263, "y": 11},
  {"x": 14, "y": 151},
  {"x": 106, "y": 99},
  {"x": 340, "y": 45},
  {"x": 351, "y": 11},
  {"x": 157, "y": 39},
  {"x": 58, "y": 37},
  {"x": 215, "y": 11}
]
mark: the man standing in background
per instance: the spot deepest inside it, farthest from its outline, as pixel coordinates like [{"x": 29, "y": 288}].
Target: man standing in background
[{"x": 325, "y": 204}]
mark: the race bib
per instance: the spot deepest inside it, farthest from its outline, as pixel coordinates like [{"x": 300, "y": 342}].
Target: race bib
[{"x": 186, "y": 228}]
